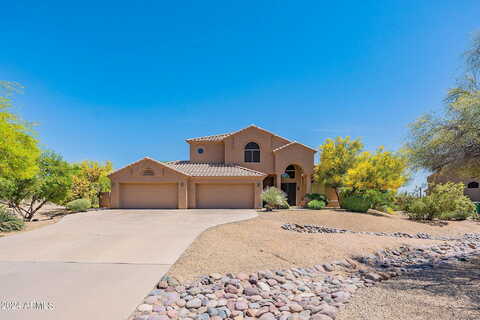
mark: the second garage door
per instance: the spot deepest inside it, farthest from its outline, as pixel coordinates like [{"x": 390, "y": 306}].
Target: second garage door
[
  {"x": 225, "y": 196},
  {"x": 148, "y": 195}
]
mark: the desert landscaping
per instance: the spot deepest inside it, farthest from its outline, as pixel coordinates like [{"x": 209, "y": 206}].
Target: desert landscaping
[
  {"x": 240, "y": 160},
  {"x": 256, "y": 269}
]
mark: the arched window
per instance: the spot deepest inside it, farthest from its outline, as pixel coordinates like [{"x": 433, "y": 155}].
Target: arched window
[
  {"x": 290, "y": 171},
  {"x": 252, "y": 152},
  {"x": 472, "y": 185},
  {"x": 148, "y": 172}
]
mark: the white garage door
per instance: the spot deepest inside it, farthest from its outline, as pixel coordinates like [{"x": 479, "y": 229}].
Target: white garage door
[
  {"x": 225, "y": 196},
  {"x": 148, "y": 195}
]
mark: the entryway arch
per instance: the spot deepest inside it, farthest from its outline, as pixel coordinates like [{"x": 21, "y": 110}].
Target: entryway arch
[{"x": 293, "y": 184}]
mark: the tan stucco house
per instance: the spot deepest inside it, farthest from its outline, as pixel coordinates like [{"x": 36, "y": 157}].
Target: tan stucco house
[{"x": 224, "y": 171}]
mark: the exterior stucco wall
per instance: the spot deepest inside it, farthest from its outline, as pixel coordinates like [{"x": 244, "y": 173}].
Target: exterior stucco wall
[
  {"x": 235, "y": 147},
  {"x": 297, "y": 155},
  {"x": 300, "y": 157},
  {"x": 212, "y": 152}
]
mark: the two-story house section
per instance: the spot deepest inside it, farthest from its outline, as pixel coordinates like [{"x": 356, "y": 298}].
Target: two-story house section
[{"x": 224, "y": 171}]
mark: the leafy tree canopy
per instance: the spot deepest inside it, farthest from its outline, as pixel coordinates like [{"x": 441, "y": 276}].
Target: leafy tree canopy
[
  {"x": 18, "y": 146},
  {"x": 451, "y": 140},
  {"x": 336, "y": 158},
  {"x": 89, "y": 180},
  {"x": 51, "y": 183},
  {"x": 344, "y": 165},
  {"x": 383, "y": 171}
]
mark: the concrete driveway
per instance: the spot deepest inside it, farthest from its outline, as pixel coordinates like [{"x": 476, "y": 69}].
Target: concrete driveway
[{"x": 97, "y": 265}]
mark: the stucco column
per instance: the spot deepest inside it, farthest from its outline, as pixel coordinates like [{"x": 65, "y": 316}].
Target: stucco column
[
  {"x": 192, "y": 195},
  {"x": 182, "y": 195},
  {"x": 308, "y": 183},
  {"x": 114, "y": 195},
  {"x": 278, "y": 181},
  {"x": 257, "y": 186}
]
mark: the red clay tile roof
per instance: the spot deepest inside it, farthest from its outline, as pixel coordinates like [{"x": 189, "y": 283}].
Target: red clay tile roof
[
  {"x": 143, "y": 159},
  {"x": 207, "y": 169},
  {"x": 214, "y": 138},
  {"x": 220, "y": 137},
  {"x": 291, "y": 144}
]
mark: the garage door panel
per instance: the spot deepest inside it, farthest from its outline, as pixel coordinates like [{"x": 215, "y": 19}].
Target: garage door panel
[
  {"x": 225, "y": 196},
  {"x": 148, "y": 195}
]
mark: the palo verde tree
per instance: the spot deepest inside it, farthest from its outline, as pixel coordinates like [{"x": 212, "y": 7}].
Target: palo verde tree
[
  {"x": 450, "y": 140},
  {"x": 89, "y": 180},
  {"x": 336, "y": 158},
  {"x": 381, "y": 171},
  {"x": 51, "y": 183},
  {"x": 18, "y": 146}
]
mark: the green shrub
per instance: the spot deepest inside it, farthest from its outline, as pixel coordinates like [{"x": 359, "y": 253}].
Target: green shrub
[
  {"x": 386, "y": 209},
  {"x": 317, "y": 196},
  {"x": 79, "y": 205},
  {"x": 477, "y": 206},
  {"x": 380, "y": 200},
  {"x": 445, "y": 201},
  {"x": 316, "y": 204},
  {"x": 355, "y": 202},
  {"x": 9, "y": 221},
  {"x": 274, "y": 198},
  {"x": 404, "y": 201}
]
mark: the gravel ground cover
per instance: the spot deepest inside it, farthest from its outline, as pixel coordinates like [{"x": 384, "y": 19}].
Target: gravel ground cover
[
  {"x": 443, "y": 293},
  {"x": 377, "y": 222},
  {"x": 260, "y": 243},
  {"x": 318, "y": 292},
  {"x": 310, "y": 228}
]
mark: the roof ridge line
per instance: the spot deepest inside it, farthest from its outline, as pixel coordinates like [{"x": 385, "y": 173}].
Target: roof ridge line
[{"x": 248, "y": 169}]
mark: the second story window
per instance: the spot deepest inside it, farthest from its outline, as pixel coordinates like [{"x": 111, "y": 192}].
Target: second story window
[{"x": 252, "y": 152}]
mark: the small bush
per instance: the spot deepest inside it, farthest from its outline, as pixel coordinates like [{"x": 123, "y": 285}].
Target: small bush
[
  {"x": 380, "y": 200},
  {"x": 317, "y": 196},
  {"x": 316, "y": 204},
  {"x": 9, "y": 221},
  {"x": 79, "y": 205},
  {"x": 404, "y": 201},
  {"x": 445, "y": 201},
  {"x": 356, "y": 203},
  {"x": 274, "y": 198},
  {"x": 386, "y": 209}
]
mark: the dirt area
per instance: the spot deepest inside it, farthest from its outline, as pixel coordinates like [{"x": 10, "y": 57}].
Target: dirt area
[
  {"x": 378, "y": 222},
  {"x": 260, "y": 243},
  {"x": 49, "y": 214},
  {"x": 450, "y": 292}
]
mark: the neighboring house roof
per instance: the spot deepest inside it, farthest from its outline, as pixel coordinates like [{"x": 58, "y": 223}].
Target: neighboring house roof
[
  {"x": 221, "y": 137},
  {"x": 293, "y": 143},
  {"x": 207, "y": 169},
  {"x": 146, "y": 159}
]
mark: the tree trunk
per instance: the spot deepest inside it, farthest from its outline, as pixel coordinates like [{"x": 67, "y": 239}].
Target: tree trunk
[{"x": 338, "y": 196}]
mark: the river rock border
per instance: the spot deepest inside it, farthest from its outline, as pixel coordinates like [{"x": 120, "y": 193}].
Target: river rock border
[
  {"x": 311, "y": 228},
  {"x": 297, "y": 293}
]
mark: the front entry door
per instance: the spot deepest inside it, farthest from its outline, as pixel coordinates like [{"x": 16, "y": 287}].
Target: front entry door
[{"x": 291, "y": 190}]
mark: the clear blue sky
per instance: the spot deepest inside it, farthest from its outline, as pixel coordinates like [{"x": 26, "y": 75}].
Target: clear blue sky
[{"x": 113, "y": 80}]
